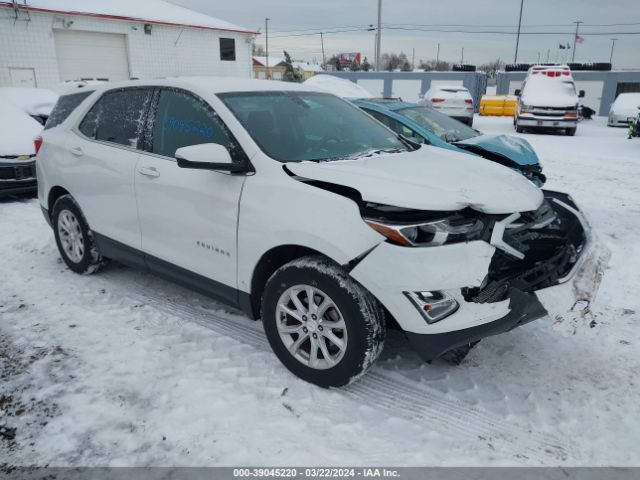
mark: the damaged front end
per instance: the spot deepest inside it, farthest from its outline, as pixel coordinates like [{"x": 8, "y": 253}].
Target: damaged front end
[
  {"x": 536, "y": 250},
  {"x": 535, "y": 263}
]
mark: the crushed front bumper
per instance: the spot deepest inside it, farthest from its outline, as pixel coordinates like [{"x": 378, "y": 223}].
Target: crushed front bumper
[{"x": 464, "y": 272}]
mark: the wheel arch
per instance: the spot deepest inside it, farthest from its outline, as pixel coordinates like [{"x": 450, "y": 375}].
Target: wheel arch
[
  {"x": 54, "y": 194},
  {"x": 270, "y": 261}
]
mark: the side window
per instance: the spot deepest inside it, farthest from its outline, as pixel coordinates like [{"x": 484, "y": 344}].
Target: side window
[
  {"x": 393, "y": 124},
  {"x": 63, "y": 108},
  {"x": 118, "y": 117},
  {"x": 182, "y": 120},
  {"x": 227, "y": 49}
]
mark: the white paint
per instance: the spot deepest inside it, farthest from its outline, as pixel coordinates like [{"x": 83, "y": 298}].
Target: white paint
[
  {"x": 593, "y": 92},
  {"x": 91, "y": 55}
]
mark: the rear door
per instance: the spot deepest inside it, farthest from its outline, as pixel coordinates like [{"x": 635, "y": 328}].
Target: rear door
[
  {"x": 101, "y": 160},
  {"x": 188, "y": 217}
]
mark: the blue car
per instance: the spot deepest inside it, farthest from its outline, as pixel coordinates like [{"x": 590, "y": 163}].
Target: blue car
[{"x": 426, "y": 125}]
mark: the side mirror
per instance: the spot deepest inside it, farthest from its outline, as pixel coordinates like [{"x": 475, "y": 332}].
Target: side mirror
[
  {"x": 208, "y": 156},
  {"x": 517, "y": 92},
  {"x": 581, "y": 94}
]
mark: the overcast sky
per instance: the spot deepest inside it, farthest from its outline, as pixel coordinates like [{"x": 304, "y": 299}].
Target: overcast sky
[{"x": 469, "y": 15}]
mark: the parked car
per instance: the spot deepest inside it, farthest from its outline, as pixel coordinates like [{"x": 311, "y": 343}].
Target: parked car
[
  {"x": 624, "y": 107},
  {"x": 452, "y": 100},
  {"x": 17, "y": 133},
  {"x": 35, "y": 102},
  {"x": 426, "y": 125},
  {"x": 548, "y": 100},
  {"x": 338, "y": 86},
  {"x": 299, "y": 208}
]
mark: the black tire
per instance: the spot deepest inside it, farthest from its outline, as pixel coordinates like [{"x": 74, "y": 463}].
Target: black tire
[
  {"x": 363, "y": 316},
  {"x": 570, "y": 131},
  {"x": 519, "y": 129},
  {"x": 90, "y": 260}
]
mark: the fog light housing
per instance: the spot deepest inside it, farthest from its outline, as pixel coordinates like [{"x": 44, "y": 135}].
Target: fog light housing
[{"x": 433, "y": 306}]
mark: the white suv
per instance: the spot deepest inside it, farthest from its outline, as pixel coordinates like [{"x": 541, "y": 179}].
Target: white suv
[{"x": 300, "y": 209}]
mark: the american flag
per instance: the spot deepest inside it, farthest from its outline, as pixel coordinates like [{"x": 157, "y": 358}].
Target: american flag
[{"x": 579, "y": 39}]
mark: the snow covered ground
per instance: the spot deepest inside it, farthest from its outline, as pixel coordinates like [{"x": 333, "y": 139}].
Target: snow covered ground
[{"x": 122, "y": 368}]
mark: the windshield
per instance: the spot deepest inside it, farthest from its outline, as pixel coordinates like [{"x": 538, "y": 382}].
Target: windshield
[
  {"x": 447, "y": 128},
  {"x": 298, "y": 126}
]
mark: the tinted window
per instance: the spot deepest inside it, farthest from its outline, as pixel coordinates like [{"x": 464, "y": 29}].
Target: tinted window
[
  {"x": 393, "y": 124},
  {"x": 297, "y": 126},
  {"x": 227, "y": 49},
  {"x": 118, "y": 117},
  {"x": 182, "y": 120},
  {"x": 64, "y": 106},
  {"x": 447, "y": 128}
]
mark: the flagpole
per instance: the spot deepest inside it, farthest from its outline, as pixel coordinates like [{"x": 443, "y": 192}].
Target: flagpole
[
  {"x": 515, "y": 59},
  {"x": 575, "y": 41}
]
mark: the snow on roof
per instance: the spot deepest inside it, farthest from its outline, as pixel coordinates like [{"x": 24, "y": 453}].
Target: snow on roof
[
  {"x": 307, "y": 67},
  {"x": 273, "y": 61},
  {"x": 149, "y": 11},
  {"x": 34, "y": 101},
  {"x": 338, "y": 86},
  {"x": 17, "y": 130}
]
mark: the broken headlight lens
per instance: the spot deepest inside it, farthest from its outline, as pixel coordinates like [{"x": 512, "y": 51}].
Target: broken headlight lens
[{"x": 452, "y": 229}]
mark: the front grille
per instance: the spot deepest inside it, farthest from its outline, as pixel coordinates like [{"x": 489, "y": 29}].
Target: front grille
[
  {"x": 18, "y": 172},
  {"x": 551, "y": 238}
]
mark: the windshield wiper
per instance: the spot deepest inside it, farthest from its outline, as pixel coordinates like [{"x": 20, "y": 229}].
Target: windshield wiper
[{"x": 409, "y": 143}]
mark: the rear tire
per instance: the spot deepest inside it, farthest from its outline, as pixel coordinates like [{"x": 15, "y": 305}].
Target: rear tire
[
  {"x": 74, "y": 238},
  {"x": 334, "y": 340}
]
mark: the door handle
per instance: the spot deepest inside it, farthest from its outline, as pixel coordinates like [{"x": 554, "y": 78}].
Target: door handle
[
  {"x": 149, "y": 172},
  {"x": 77, "y": 152}
]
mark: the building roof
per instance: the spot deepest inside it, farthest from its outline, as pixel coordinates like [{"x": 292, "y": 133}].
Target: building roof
[
  {"x": 273, "y": 61},
  {"x": 147, "y": 11},
  {"x": 307, "y": 67}
]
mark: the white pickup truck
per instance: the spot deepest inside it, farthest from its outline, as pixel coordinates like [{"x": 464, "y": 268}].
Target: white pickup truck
[{"x": 548, "y": 100}]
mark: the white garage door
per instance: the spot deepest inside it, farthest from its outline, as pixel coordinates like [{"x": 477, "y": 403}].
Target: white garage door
[{"x": 91, "y": 55}]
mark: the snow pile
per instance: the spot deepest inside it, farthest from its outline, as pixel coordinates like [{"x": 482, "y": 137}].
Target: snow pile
[
  {"x": 142, "y": 10},
  {"x": 67, "y": 88},
  {"x": 34, "y": 101},
  {"x": 626, "y": 105},
  {"x": 17, "y": 130},
  {"x": 338, "y": 86}
]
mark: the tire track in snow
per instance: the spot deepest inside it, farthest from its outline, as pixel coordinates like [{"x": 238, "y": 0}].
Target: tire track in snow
[{"x": 390, "y": 392}]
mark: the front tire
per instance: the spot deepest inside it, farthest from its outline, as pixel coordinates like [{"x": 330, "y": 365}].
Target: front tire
[
  {"x": 74, "y": 238},
  {"x": 322, "y": 325},
  {"x": 570, "y": 132}
]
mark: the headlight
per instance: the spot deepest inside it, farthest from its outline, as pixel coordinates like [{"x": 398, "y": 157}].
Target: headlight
[
  {"x": 524, "y": 107},
  {"x": 454, "y": 228}
]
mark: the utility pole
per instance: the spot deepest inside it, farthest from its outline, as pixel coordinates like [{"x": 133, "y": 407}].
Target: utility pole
[
  {"x": 613, "y": 44},
  {"x": 379, "y": 35},
  {"x": 515, "y": 58},
  {"x": 548, "y": 53},
  {"x": 438, "y": 57},
  {"x": 538, "y": 57},
  {"x": 575, "y": 41},
  {"x": 324, "y": 60},
  {"x": 462, "y": 57},
  {"x": 266, "y": 31},
  {"x": 413, "y": 60}
]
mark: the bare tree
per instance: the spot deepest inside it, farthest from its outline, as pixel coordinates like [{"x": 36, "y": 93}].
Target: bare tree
[
  {"x": 492, "y": 68},
  {"x": 394, "y": 61},
  {"x": 257, "y": 51}
]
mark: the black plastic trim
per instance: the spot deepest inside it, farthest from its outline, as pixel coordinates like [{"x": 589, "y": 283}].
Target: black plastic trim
[
  {"x": 135, "y": 258},
  {"x": 46, "y": 215},
  {"x": 525, "y": 308}
]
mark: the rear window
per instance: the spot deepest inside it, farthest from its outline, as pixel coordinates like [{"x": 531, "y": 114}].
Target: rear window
[
  {"x": 63, "y": 108},
  {"x": 118, "y": 117}
]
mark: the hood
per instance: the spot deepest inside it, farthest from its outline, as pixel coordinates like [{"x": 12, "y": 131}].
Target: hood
[
  {"x": 515, "y": 148},
  {"x": 430, "y": 178}
]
